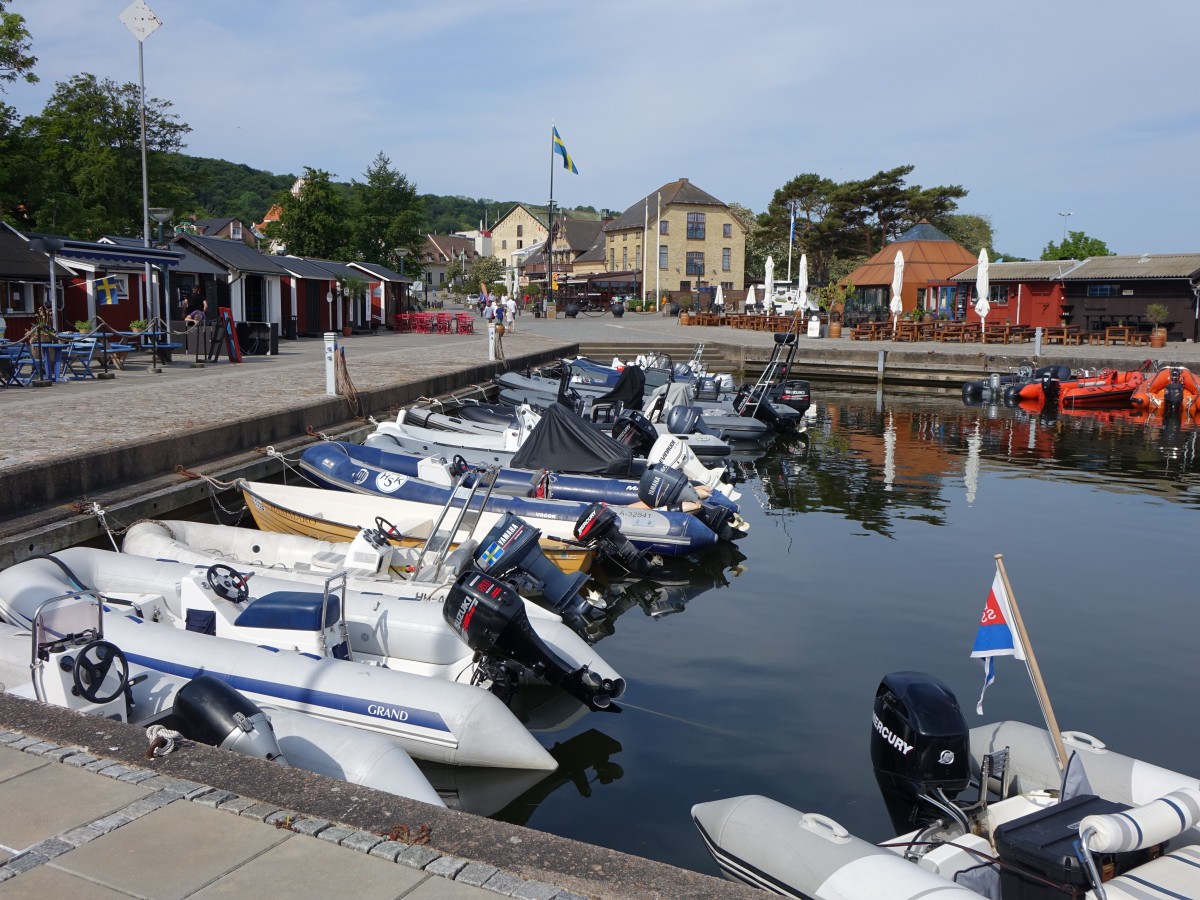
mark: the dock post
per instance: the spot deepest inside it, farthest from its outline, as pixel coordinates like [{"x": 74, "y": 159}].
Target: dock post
[
  {"x": 330, "y": 351},
  {"x": 1037, "y": 341},
  {"x": 879, "y": 368}
]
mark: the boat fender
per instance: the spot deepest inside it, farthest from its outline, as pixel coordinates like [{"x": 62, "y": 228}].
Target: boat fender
[
  {"x": 211, "y": 712},
  {"x": 662, "y": 487},
  {"x": 599, "y": 526},
  {"x": 511, "y": 551},
  {"x": 490, "y": 616}
]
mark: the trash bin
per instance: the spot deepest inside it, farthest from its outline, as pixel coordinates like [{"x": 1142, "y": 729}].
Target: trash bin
[{"x": 291, "y": 329}]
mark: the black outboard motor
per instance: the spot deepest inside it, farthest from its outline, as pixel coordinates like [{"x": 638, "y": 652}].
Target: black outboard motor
[
  {"x": 1050, "y": 389},
  {"x": 598, "y": 525},
  {"x": 211, "y": 712},
  {"x": 685, "y": 420},
  {"x": 919, "y": 748},
  {"x": 663, "y": 487},
  {"x": 795, "y": 393},
  {"x": 720, "y": 520},
  {"x": 491, "y": 618},
  {"x": 511, "y": 551},
  {"x": 1173, "y": 394},
  {"x": 634, "y": 430}
]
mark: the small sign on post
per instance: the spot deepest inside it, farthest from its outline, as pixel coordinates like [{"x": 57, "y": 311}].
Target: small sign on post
[
  {"x": 491, "y": 326},
  {"x": 330, "y": 353}
]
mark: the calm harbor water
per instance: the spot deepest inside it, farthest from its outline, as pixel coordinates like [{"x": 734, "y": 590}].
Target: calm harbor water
[{"x": 871, "y": 551}]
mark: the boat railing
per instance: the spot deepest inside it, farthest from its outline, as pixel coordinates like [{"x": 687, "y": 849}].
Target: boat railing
[
  {"x": 440, "y": 540},
  {"x": 68, "y": 620},
  {"x": 336, "y": 582}
]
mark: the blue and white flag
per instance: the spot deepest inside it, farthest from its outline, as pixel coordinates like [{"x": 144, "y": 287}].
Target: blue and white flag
[{"x": 996, "y": 636}]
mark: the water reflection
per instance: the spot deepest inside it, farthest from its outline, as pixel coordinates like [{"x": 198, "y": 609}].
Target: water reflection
[{"x": 875, "y": 462}]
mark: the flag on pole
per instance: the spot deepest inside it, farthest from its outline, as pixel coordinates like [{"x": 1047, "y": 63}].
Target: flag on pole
[
  {"x": 107, "y": 290},
  {"x": 561, "y": 149},
  {"x": 995, "y": 636}
]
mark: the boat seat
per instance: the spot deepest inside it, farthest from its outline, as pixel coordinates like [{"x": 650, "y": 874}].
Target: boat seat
[{"x": 290, "y": 611}]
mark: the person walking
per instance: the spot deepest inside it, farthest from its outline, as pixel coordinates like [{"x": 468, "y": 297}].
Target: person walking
[{"x": 510, "y": 314}]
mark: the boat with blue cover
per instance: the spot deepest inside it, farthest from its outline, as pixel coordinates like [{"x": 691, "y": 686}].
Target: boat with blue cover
[{"x": 654, "y": 530}]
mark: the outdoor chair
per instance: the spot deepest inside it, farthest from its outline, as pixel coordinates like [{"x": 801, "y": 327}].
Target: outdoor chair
[
  {"x": 17, "y": 365},
  {"x": 76, "y": 360}
]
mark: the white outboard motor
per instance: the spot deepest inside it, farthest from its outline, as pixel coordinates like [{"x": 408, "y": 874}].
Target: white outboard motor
[
  {"x": 211, "y": 712},
  {"x": 491, "y": 618},
  {"x": 678, "y": 455}
]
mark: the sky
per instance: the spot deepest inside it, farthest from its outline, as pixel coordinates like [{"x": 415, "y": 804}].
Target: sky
[{"x": 1037, "y": 107}]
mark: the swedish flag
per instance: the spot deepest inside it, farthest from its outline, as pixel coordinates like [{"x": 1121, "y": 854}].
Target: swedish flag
[
  {"x": 491, "y": 555},
  {"x": 561, "y": 149},
  {"x": 107, "y": 290}
]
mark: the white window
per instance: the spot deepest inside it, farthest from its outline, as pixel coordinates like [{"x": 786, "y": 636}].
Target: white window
[{"x": 235, "y": 230}]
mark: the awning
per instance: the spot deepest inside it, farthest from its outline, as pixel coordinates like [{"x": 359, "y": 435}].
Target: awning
[{"x": 114, "y": 254}]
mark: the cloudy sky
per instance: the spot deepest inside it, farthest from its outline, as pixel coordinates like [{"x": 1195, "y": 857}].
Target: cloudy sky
[{"x": 1037, "y": 107}]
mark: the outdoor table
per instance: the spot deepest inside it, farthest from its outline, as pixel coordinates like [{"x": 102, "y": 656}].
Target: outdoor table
[
  {"x": 1064, "y": 334},
  {"x": 1114, "y": 334}
]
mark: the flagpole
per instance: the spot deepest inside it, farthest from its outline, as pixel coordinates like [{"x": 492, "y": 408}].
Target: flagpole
[
  {"x": 550, "y": 232},
  {"x": 645, "y": 245},
  {"x": 658, "y": 268},
  {"x": 1035, "y": 674}
]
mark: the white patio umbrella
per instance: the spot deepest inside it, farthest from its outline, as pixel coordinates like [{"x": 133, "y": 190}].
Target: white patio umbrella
[
  {"x": 802, "y": 289},
  {"x": 719, "y": 299},
  {"x": 769, "y": 280},
  {"x": 982, "y": 307},
  {"x": 897, "y": 305},
  {"x": 750, "y": 301}
]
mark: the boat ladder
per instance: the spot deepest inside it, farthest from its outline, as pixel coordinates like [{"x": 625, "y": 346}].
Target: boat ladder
[{"x": 467, "y": 518}]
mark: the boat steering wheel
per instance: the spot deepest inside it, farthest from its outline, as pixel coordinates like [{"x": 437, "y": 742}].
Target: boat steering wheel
[
  {"x": 390, "y": 531},
  {"x": 92, "y": 666},
  {"x": 1025, "y": 371},
  {"x": 228, "y": 583}
]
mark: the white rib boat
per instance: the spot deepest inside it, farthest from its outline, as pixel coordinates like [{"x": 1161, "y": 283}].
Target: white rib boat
[
  {"x": 1109, "y": 828},
  {"x": 73, "y": 665}
]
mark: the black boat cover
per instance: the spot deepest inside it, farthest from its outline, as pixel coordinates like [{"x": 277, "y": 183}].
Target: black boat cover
[
  {"x": 563, "y": 442},
  {"x": 630, "y": 386}
]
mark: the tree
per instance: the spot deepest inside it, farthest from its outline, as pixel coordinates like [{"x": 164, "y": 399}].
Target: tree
[
  {"x": 387, "y": 217},
  {"x": 487, "y": 269},
  {"x": 312, "y": 223},
  {"x": 973, "y": 232},
  {"x": 1077, "y": 245},
  {"x": 15, "y": 43},
  {"x": 87, "y": 148}
]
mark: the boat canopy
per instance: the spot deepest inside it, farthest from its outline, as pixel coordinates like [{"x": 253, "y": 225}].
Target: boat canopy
[{"x": 563, "y": 436}]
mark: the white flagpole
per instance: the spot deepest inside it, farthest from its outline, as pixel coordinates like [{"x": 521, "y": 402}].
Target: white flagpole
[
  {"x": 658, "y": 268},
  {"x": 645, "y": 246},
  {"x": 1035, "y": 674}
]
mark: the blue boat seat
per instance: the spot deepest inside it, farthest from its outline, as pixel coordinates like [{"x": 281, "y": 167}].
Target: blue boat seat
[{"x": 289, "y": 610}]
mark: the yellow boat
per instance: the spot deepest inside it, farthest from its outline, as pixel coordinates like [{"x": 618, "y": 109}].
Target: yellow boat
[{"x": 339, "y": 516}]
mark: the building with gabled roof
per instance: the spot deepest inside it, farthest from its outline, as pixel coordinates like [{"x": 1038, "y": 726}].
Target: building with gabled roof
[{"x": 931, "y": 260}]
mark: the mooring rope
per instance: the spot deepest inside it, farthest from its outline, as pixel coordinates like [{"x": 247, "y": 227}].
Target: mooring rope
[{"x": 343, "y": 384}]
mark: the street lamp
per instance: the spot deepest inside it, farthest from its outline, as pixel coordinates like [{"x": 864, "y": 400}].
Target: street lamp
[
  {"x": 1065, "y": 216},
  {"x": 793, "y": 206},
  {"x": 162, "y": 215},
  {"x": 402, "y": 252}
]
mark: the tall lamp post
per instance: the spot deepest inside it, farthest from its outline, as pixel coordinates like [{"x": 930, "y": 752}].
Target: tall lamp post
[
  {"x": 1065, "y": 216},
  {"x": 142, "y": 22},
  {"x": 793, "y": 206},
  {"x": 402, "y": 252},
  {"x": 162, "y": 215}
]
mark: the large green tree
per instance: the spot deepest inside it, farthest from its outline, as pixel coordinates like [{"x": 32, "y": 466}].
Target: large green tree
[
  {"x": 313, "y": 222},
  {"x": 973, "y": 232},
  {"x": 87, "y": 147},
  {"x": 15, "y": 59},
  {"x": 1076, "y": 245},
  {"x": 386, "y": 218}
]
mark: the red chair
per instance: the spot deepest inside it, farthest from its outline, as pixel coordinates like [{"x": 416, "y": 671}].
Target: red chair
[
  {"x": 422, "y": 322},
  {"x": 403, "y": 323},
  {"x": 442, "y": 323},
  {"x": 466, "y": 323}
]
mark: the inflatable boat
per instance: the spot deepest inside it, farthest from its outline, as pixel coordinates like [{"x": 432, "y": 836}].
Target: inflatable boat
[
  {"x": 1112, "y": 827},
  {"x": 997, "y": 386},
  {"x": 395, "y": 608},
  {"x": 66, "y": 659},
  {"x": 299, "y": 658},
  {"x": 654, "y": 530},
  {"x": 1173, "y": 390}
]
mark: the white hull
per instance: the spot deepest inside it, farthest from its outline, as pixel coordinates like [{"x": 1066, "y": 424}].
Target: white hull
[
  {"x": 432, "y": 719},
  {"x": 392, "y": 624},
  {"x": 789, "y": 852}
]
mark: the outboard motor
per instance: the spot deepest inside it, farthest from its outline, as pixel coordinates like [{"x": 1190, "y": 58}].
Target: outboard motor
[
  {"x": 599, "y": 526},
  {"x": 680, "y": 372},
  {"x": 726, "y": 524},
  {"x": 663, "y": 487},
  {"x": 685, "y": 420},
  {"x": 678, "y": 455},
  {"x": 511, "y": 551},
  {"x": 634, "y": 430},
  {"x": 707, "y": 388},
  {"x": 1050, "y": 388},
  {"x": 491, "y": 618},
  {"x": 211, "y": 712},
  {"x": 1173, "y": 394},
  {"x": 919, "y": 749}
]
